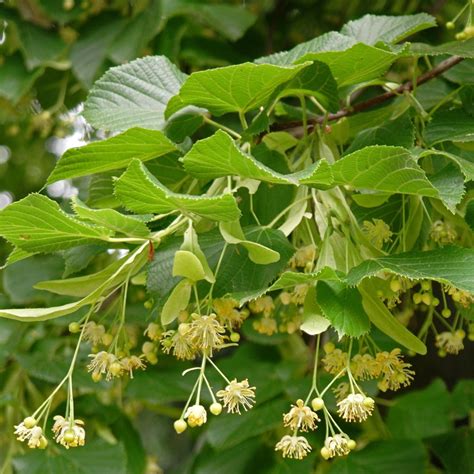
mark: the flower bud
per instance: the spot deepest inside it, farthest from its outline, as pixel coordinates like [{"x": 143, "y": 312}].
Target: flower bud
[
  {"x": 325, "y": 453},
  {"x": 446, "y": 313},
  {"x": 450, "y": 25},
  {"x": 395, "y": 286},
  {"x": 351, "y": 444},
  {"x": 317, "y": 403},
  {"x": 43, "y": 443},
  {"x": 29, "y": 422},
  {"x": 180, "y": 426},
  {"x": 460, "y": 333},
  {"x": 74, "y": 327},
  {"x": 96, "y": 376},
  {"x": 69, "y": 436},
  {"x": 235, "y": 337},
  {"x": 216, "y": 408}
]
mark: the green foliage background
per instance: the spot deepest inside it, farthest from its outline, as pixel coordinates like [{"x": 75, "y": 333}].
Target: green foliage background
[{"x": 50, "y": 57}]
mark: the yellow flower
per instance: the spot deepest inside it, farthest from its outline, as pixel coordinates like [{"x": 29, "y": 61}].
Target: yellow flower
[
  {"x": 293, "y": 447},
  {"x": 378, "y": 232},
  {"x": 363, "y": 367},
  {"x": 262, "y": 304},
  {"x": 341, "y": 390},
  {"x": 228, "y": 313},
  {"x": 355, "y": 407},
  {"x": 104, "y": 363},
  {"x": 304, "y": 257},
  {"x": 93, "y": 332},
  {"x": 451, "y": 342},
  {"x": 180, "y": 342},
  {"x": 31, "y": 433},
  {"x": 129, "y": 364},
  {"x": 266, "y": 326},
  {"x": 300, "y": 417},
  {"x": 443, "y": 233},
  {"x": 206, "y": 333},
  {"x": 335, "y": 361},
  {"x": 196, "y": 415},
  {"x": 394, "y": 372},
  {"x": 337, "y": 445},
  {"x": 153, "y": 331},
  {"x": 464, "y": 298},
  {"x": 69, "y": 433},
  {"x": 237, "y": 394}
]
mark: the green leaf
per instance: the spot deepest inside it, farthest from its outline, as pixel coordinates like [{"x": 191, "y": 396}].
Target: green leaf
[
  {"x": 399, "y": 132},
  {"x": 449, "y": 182},
  {"x": 131, "y": 265},
  {"x": 389, "y": 457},
  {"x": 381, "y": 317},
  {"x": 134, "y": 94},
  {"x": 233, "y": 234},
  {"x": 176, "y": 302},
  {"x": 449, "y": 265},
  {"x": 465, "y": 49},
  {"x": 237, "y": 273},
  {"x": 313, "y": 323},
  {"x": 142, "y": 193},
  {"x": 37, "y": 224},
  {"x": 383, "y": 168},
  {"x": 315, "y": 80},
  {"x": 450, "y": 125},
  {"x": 15, "y": 79},
  {"x": 466, "y": 166},
  {"x": 360, "y": 63},
  {"x": 237, "y": 88},
  {"x": 133, "y": 226},
  {"x": 370, "y": 29},
  {"x": 291, "y": 279},
  {"x": 422, "y": 413},
  {"x": 20, "y": 278},
  {"x": 455, "y": 450},
  {"x": 187, "y": 265},
  {"x": 226, "y": 431},
  {"x": 101, "y": 191},
  {"x": 218, "y": 156},
  {"x": 89, "y": 52},
  {"x": 191, "y": 244},
  {"x": 331, "y": 41},
  {"x": 343, "y": 307},
  {"x": 40, "y": 47},
  {"x": 114, "y": 153},
  {"x": 112, "y": 460}
]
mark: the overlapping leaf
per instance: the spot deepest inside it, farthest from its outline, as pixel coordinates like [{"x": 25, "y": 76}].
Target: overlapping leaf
[
  {"x": 219, "y": 156},
  {"x": 238, "y": 88},
  {"x": 113, "y": 153},
  {"x": 134, "y": 94},
  {"x": 450, "y": 265},
  {"x": 141, "y": 192},
  {"x": 37, "y": 224}
]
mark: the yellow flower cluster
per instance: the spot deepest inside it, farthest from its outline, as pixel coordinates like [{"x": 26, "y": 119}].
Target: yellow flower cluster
[
  {"x": 378, "y": 232},
  {"x": 443, "y": 233},
  {"x": 304, "y": 258},
  {"x": 108, "y": 364},
  {"x": 228, "y": 312},
  {"x": 388, "y": 367},
  {"x": 450, "y": 342}
]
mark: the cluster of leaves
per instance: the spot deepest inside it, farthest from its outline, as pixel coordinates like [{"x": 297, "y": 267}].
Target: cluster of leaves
[{"x": 250, "y": 163}]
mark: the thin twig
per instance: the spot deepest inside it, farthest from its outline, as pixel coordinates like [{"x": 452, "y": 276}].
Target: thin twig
[{"x": 367, "y": 104}]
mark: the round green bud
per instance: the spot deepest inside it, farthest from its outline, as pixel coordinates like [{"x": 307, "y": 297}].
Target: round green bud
[
  {"x": 395, "y": 286},
  {"x": 234, "y": 336},
  {"x": 461, "y": 36},
  {"x": 351, "y": 444},
  {"x": 43, "y": 443},
  {"x": 215, "y": 408},
  {"x": 69, "y": 436},
  {"x": 148, "y": 347},
  {"x": 470, "y": 336},
  {"x": 426, "y": 298},
  {"x": 442, "y": 353},
  {"x": 426, "y": 285},
  {"x": 152, "y": 358},
  {"x": 368, "y": 402},
  {"x": 29, "y": 422},
  {"x": 446, "y": 313},
  {"x": 325, "y": 453},
  {"x": 148, "y": 304},
  {"x": 180, "y": 426},
  {"x": 417, "y": 298},
  {"x": 450, "y": 25},
  {"x": 329, "y": 347},
  {"x": 74, "y": 327},
  {"x": 460, "y": 333},
  {"x": 317, "y": 403}
]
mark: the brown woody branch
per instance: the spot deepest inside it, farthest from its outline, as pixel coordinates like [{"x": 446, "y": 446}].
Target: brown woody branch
[{"x": 367, "y": 104}]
